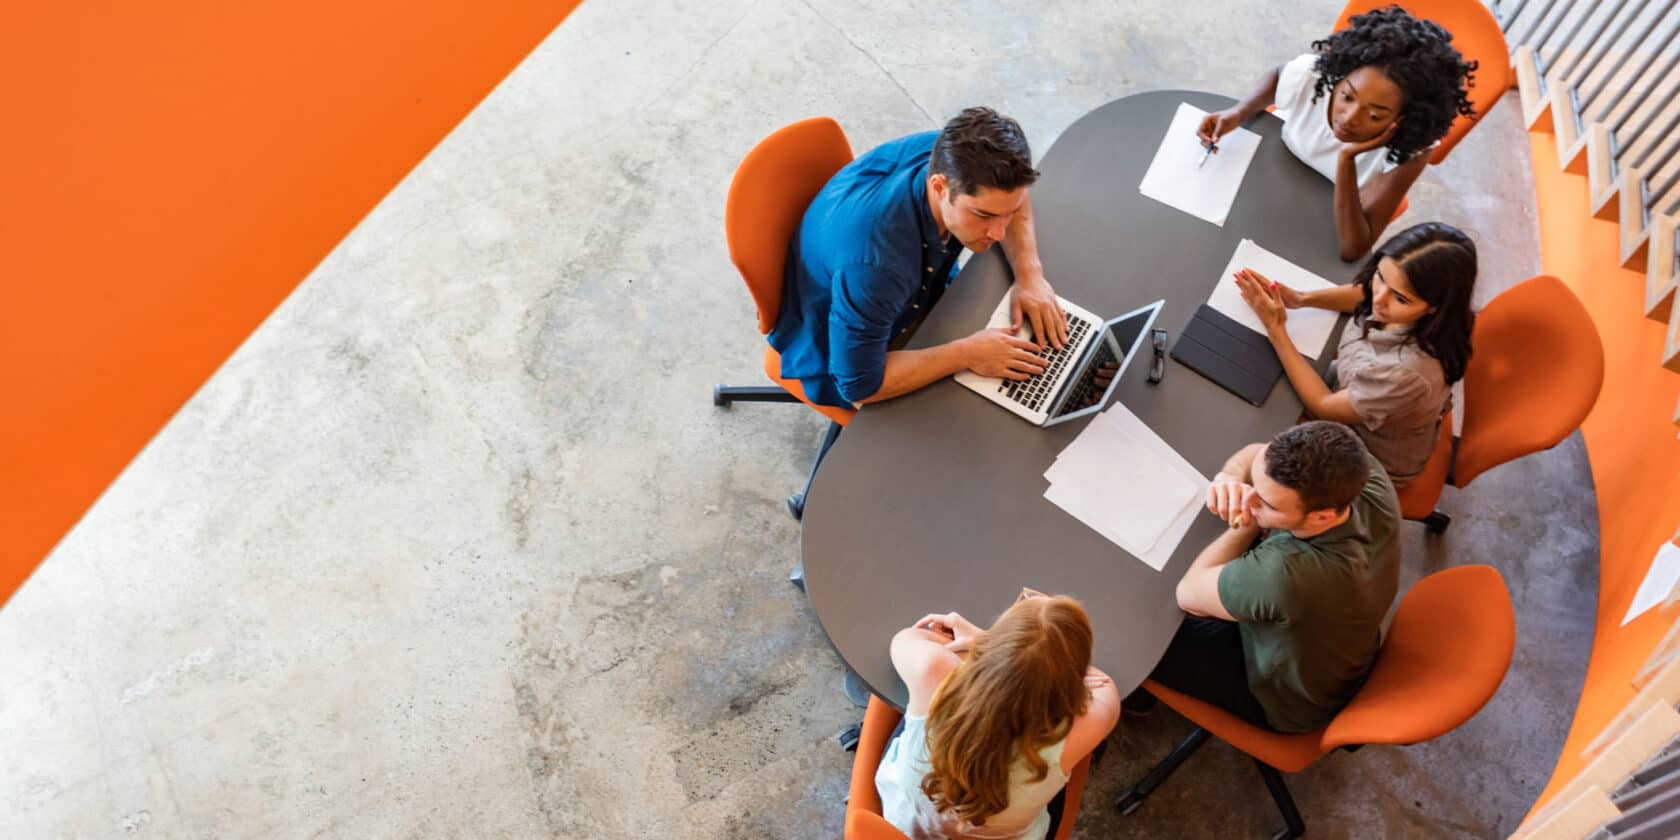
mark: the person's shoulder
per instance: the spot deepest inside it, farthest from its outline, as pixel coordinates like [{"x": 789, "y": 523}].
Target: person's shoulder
[
  {"x": 1306, "y": 62},
  {"x": 1296, "y": 80},
  {"x": 1418, "y": 362},
  {"x": 1270, "y": 559},
  {"x": 1378, "y": 492},
  {"x": 1260, "y": 584},
  {"x": 906, "y": 151}
]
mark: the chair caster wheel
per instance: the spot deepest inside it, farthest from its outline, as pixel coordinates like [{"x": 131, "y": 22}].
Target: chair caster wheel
[{"x": 1436, "y": 522}]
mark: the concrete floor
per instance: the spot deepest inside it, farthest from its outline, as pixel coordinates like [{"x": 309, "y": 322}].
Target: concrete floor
[{"x": 457, "y": 546}]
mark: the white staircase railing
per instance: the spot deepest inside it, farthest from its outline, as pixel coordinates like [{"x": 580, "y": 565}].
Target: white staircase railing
[{"x": 1602, "y": 77}]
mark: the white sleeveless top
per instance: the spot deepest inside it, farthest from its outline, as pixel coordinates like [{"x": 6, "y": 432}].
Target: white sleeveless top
[
  {"x": 1306, "y": 124},
  {"x": 899, "y": 782}
]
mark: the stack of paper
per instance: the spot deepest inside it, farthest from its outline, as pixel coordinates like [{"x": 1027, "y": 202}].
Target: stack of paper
[
  {"x": 1178, "y": 176},
  {"x": 1309, "y": 329},
  {"x": 1126, "y": 483}
]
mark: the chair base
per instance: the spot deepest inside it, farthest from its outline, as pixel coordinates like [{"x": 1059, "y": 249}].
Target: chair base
[
  {"x": 1131, "y": 799},
  {"x": 1293, "y": 826},
  {"x": 723, "y": 395},
  {"x": 796, "y": 502},
  {"x": 1436, "y": 522}
]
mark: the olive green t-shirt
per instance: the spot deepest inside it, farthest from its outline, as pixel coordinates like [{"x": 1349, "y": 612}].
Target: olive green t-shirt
[{"x": 1310, "y": 611}]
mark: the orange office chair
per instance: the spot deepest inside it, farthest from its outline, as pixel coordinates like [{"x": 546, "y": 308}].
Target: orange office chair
[
  {"x": 768, "y": 196},
  {"x": 1477, "y": 36},
  {"x": 1445, "y": 656},
  {"x": 863, "y": 803},
  {"x": 1535, "y": 372}
]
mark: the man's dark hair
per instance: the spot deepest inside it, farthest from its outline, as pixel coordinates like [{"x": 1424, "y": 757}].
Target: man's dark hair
[
  {"x": 1419, "y": 56},
  {"x": 1323, "y": 462},
  {"x": 982, "y": 149}
]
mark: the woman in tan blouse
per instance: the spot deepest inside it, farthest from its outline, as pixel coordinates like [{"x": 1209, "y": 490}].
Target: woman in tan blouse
[{"x": 1407, "y": 343}]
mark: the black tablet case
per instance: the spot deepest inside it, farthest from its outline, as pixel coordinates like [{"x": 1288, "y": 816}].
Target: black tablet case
[{"x": 1235, "y": 357}]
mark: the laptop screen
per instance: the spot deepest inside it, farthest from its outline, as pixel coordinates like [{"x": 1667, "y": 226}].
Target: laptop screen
[{"x": 1113, "y": 349}]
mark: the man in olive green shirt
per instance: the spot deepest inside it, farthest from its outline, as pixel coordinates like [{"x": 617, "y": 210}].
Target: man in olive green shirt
[{"x": 1282, "y": 632}]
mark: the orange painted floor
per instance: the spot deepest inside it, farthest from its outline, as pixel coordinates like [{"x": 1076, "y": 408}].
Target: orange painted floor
[{"x": 1630, "y": 440}]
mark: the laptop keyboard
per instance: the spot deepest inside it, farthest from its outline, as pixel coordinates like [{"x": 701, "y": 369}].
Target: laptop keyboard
[{"x": 1034, "y": 391}]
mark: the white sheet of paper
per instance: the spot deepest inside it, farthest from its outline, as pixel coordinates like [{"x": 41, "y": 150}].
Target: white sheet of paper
[
  {"x": 1131, "y": 487},
  {"x": 1156, "y": 557},
  {"x": 1659, "y": 579},
  {"x": 1124, "y": 482},
  {"x": 1309, "y": 328},
  {"x": 1177, "y": 177}
]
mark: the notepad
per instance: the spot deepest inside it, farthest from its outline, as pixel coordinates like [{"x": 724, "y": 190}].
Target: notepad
[
  {"x": 1123, "y": 481},
  {"x": 1309, "y": 329},
  {"x": 1179, "y": 178}
]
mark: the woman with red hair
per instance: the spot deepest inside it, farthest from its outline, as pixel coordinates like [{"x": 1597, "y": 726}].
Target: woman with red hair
[{"x": 997, "y": 720}]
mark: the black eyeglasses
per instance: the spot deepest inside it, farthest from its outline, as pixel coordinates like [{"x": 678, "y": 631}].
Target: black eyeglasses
[{"x": 1158, "y": 365}]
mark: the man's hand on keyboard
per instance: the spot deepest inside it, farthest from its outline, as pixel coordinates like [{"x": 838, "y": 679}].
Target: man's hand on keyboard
[
  {"x": 997, "y": 352},
  {"x": 1099, "y": 383},
  {"x": 1034, "y": 303}
]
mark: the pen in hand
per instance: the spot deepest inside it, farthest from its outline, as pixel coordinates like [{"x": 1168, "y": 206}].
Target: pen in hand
[{"x": 1207, "y": 150}]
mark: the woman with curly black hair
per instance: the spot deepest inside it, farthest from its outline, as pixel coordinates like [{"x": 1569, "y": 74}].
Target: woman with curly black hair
[{"x": 1394, "y": 83}]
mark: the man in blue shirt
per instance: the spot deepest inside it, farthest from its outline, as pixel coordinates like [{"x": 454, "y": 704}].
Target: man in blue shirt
[{"x": 878, "y": 246}]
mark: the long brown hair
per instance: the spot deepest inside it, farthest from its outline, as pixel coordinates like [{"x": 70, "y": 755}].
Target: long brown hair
[
  {"x": 1017, "y": 692},
  {"x": 1440, "y": 262}
]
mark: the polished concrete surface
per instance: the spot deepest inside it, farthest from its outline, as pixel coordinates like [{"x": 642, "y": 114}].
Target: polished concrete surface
[{"x": 457, "y": 546}]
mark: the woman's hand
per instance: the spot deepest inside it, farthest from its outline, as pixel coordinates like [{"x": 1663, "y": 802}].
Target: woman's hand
[
  {"x": 959, "y": 630},
  {"x": 1265, "y": 298},
  {"x": 1353, "y": 150},
  {"x": 1217, "y": 125},
  {"x": 1095, "y": 679}
]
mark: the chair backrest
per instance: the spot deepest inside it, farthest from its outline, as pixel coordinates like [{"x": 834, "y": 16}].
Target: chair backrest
[
  {"x": 1536, "y": 366},
  {"x": 772, "y": 187},
  {"x": 863, "y": 802},
  {"x": 1446, "y": 654},
  {"x": 1477, "y": 36}
]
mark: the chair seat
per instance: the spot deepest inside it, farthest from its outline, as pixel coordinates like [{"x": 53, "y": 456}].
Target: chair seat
[
  {"x": 773, "y": 369},
  {"x": 1419, "y": 496},
  {"x": 1289, "y": 753}
]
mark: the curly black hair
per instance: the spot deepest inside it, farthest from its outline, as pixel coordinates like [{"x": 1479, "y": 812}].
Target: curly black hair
[{"x": 1419, "y": 56}]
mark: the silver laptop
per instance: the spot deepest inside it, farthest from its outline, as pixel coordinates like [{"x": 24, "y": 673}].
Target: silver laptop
[{"x": 1067, "y": 388}]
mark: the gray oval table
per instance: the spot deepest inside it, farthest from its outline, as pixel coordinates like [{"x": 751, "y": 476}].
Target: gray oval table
[{"x": 935, "y": 501}]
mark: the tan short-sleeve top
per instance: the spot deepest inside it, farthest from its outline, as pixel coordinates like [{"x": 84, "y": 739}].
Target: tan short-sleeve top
[{"x": 1399, "y": 392}]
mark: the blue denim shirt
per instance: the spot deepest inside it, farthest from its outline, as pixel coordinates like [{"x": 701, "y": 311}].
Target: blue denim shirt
[{"x": 866, "y": 263}]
